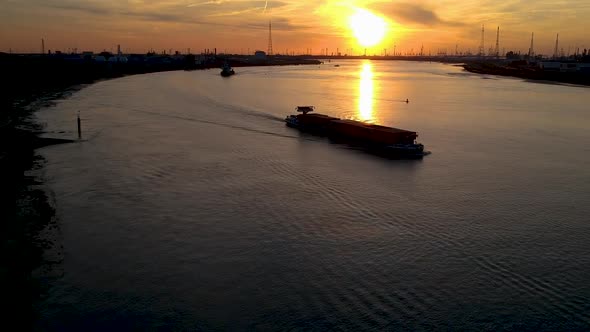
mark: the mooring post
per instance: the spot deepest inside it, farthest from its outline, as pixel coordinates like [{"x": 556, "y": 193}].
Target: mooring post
[{"x": 79, "y": 127}]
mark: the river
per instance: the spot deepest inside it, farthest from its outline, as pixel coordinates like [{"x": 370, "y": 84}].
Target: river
[{"x": 189, "y": 205}]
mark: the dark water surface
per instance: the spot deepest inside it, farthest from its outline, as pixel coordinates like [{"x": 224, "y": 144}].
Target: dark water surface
[{"x": 191, "y": 206}]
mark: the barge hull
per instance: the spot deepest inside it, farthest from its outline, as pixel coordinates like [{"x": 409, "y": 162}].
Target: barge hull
[{"x": 381, "y": 140}]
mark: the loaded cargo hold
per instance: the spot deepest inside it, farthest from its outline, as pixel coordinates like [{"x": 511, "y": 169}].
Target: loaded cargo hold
[{"x": 375, "y": 137}]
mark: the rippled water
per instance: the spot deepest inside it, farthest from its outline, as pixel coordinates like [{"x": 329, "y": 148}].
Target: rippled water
[{"x": 189, "y": 205}]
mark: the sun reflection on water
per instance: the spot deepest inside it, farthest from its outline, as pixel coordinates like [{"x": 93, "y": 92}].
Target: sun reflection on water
[{"x": 366, "y": 92}]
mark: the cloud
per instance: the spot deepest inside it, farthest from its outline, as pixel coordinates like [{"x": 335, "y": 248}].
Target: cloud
[
  {"x": 212, "y": 2},
  {"x": 261, "y": 23},
  {"x": 411, "y": 13},
  {"x": 226, "y": 8},
  {"x": 155, "y": 16},
  {"x": 207, "y": 12},
  {"x": 278, "y": 24},
  {"x": 89, "y": 7}
]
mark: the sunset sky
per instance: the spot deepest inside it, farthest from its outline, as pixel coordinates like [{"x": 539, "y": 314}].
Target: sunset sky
[{"x": 298, "y": 25}]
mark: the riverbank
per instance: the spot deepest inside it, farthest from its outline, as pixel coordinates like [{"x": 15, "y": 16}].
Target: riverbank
[
  {"x": 25, "y": 208},
  {"x": 31, "y": 83},
  {"x": 524, "y": 71}
]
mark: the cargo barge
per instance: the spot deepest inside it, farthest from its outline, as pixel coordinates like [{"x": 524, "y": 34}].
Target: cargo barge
[{"x": 382, "y": 140}]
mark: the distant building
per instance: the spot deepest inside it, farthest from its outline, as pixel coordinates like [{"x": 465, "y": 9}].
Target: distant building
[
  {"x": 564, "y": 66},
  {"x": 118, "y": 58},
  {"x": 87, "y": 55},
  {"x": 550, "y": 66},
  {"x": 261, "y": 55},
  {"x": 136, "y": 58},
  {"x": 158, "y": 60},
  {"x": 203, "y": 59}
]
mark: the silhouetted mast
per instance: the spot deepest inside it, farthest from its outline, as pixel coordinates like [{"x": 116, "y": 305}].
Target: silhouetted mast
[
  {"x": 269, "y": 51},
  {"x": 531, "y": 49},
  {"x": 556, "y": 51},
  {"x": 497, "y": 50},
  {"x": 482, "y": 45},
  {"x": 42, "y": 46}
]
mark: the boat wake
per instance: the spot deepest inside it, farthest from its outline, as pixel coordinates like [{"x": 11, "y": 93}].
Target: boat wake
[
  {"x": 240, "y": 109},
  {"x": 227, "y": 125}
]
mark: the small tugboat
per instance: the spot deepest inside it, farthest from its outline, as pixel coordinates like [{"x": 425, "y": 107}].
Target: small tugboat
[
  {"x": 226, "y": 70},
  {"x": 380, "y": 140}
]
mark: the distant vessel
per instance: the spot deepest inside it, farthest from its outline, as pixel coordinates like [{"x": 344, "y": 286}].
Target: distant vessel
[
  {"x": 382, "y": 140},
  {"x": 226, "y": 70}
]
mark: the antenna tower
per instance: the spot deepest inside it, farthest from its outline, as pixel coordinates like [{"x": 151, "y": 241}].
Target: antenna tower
[
  {"x": 531, "y": 49},
  {"x": 482, "y": 45},
  {"x": 269, "y": 51},
  {"x": 497, "y": 50},
  {"x": 42, "y": 46},
  {"x": 556, "y": 52}
]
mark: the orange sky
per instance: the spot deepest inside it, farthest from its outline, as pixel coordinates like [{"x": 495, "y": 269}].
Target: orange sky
[{"x": 242, "y": 25}]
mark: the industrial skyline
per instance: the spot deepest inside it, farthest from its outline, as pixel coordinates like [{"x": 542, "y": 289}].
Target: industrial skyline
[
  {"x": 482, "y": 50},
  {"x": 299, "y": 26}
]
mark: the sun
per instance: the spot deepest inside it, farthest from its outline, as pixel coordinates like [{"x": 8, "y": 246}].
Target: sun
[{"x": 368, "y": 28}]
